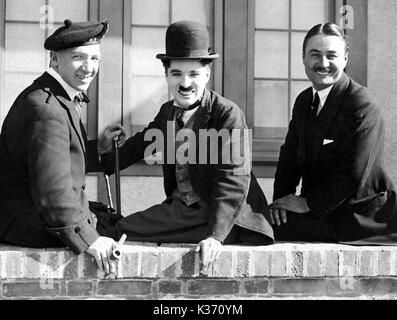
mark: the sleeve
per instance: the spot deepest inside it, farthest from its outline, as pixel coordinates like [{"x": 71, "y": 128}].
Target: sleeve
[
  {"x": 288, "y": 172},
  {"x": 51, "y": 181},
  {"x": 93, "y": 161},
  {"x": 363, "y": 139},
  {"x": 134, "y": 149},
  {"x": 231, "y": 179}
]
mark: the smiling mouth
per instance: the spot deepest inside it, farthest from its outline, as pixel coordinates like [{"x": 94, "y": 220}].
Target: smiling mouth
[
  {"x": 323, "y": 72},
  {"x": 186, "y": 92},
  {"x": 83, "y": 78}
]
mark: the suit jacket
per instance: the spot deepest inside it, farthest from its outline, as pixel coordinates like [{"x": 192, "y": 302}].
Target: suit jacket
[
  {"x": 230, "y": 190},
  {"x": 345, "y": 181},
  {"x": 43, "y": 161}
]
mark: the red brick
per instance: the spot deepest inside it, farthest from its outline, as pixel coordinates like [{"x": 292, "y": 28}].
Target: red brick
[
  {"x": 331, "y": 267},
  {"x": 42, "y": 264},
  {"x": 129, "y": 265},
  {"x": 256, "y": 286},
  {"x": 125, "y": 287},
  {"x": 80, "y": 288},
  {"x": 278, "y": 264},
  {"x": 170, "y": 264},
  {"x": 189, "y": 264},
  {"x": 89, "y": 267},
  {"x": 367, "y": 265},
  {"x": 311, "y": 287},
  {"x": 261, "y": 263},
  {"x": 348, "y": 263},
  {"x": 223, "y": 267},
  {"x": 150, "y": 264},
  {"x": 384, "y": 263},
  {"x": 212, "y": 287},
  {"x": 13, "y": 265},
  {"x": 70, "y": 265},
  {"x": 313, "y": 264},
  {"x": 377, "y": 286},
  {"x": 243, "y": 263},
  {"x": 297, "y": 264},
  {"x": 31, "y": 289},
  {"x": 342, "y": 287},
  {"x": 170, "y": 287}
]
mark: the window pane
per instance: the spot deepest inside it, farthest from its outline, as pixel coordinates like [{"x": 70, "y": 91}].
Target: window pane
[
  {"x": 307, "y": 13},
  {"x": 75, "y": 10},
  {"x": 151, "y": 12},
  {"x": 146, "y": 43},
  {"x": 271, "y": 14},
  {"x": 24, "y": 10},
  {"x": 296, "y": 88},
  {"x": 271, "y": 54},
  {"x": 297, "y": 68},
  {"x": 14, "y": 83},
  {"x": 24, "y": 49},
  {"x": 271, "y": 103},
  {"x": 196, "y": 10},
  {"x": 148, "y": 94}
]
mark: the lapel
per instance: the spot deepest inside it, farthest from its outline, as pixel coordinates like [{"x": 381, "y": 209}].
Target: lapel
[
  {"x": 304, "y": 104},
  {"x": 203, "y": 114},
  {"x": 328, "y": 113},
  {"x": 60, "y": 94}
]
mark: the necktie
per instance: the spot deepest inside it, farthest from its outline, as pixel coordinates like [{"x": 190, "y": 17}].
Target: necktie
[
  {"x": 315, "y": 104},
  {"x": 179, "y": 118}
]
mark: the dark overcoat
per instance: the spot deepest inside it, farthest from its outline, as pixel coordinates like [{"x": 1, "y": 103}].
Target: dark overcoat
[
  {"x": 43, "y": 161},
  {"x": 345, "y": 182},
  {"x": 230, "y": 190}
]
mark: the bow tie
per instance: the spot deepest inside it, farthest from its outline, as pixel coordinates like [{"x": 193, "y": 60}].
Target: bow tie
[{"x": 81, "y": 97}]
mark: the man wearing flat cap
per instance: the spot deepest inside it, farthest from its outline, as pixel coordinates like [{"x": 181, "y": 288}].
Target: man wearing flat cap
[
  {"x": 44, "y": 152},
  {"x": 210, "y": 200}
]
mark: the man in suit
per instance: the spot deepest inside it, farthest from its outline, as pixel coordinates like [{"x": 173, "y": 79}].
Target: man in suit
[
  {"x": 44, "y": 152},
  {"x": 334, "y": 145},
  {"x": 209, "y": 202}
]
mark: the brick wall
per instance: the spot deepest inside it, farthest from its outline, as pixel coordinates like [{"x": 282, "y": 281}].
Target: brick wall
[{"x": 148, "y": 271}]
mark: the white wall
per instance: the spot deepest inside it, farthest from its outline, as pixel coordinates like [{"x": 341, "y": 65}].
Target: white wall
[{"x": 382, "y": 70}]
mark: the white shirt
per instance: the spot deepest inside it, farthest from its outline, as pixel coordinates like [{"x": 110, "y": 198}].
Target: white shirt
[
  {"x": 323, "y": 95},
  {"x": 69, "y": 90}
]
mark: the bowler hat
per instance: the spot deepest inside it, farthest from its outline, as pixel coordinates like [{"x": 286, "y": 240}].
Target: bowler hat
[
  {"x": 76, "y": 34},
  {"x": 187, "y": 40}
]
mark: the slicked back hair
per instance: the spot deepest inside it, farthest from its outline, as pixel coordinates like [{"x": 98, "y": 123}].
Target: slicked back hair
[{"x": 329, "y": 29}]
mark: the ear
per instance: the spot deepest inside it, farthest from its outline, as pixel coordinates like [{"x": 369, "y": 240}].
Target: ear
[
  {"x": 54, "y": 59},
  {"x": 208, "y": 74}
]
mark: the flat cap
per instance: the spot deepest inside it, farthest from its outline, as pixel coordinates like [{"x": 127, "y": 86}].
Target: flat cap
[{"x": 76, "y": 34}]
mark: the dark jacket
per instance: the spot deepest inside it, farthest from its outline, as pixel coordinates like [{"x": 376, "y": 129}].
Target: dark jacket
[
  {"x": 43, "y": 161},
  {"x": 230, "y": 190},
  {"x": 345, "y": 181}
]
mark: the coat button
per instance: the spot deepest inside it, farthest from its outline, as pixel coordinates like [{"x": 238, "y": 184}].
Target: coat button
[{"x": 77, "y": 229}]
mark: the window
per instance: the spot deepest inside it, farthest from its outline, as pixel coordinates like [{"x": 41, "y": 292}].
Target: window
[
  {"x": 27, "y": 24},
  {"x": 278, "y": 72},
  {"x": 147, "y": 88}
]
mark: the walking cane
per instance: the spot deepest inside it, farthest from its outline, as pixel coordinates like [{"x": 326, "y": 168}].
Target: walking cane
[{"x": 117, "y": 176}]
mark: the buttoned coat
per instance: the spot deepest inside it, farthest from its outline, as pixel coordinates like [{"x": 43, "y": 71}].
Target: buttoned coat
[
  {"x": 230, "y": 190},
  {"x": 345, "y": 182},
  {"x": 43, "y": 161}
]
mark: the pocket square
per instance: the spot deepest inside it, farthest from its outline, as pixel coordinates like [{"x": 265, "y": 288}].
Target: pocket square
[{"x": 326, "y": 141}]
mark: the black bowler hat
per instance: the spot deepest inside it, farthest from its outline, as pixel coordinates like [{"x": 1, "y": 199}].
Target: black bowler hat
[
  {"x": 187, "y": 40},
  {"x": 76, "y": 34}
]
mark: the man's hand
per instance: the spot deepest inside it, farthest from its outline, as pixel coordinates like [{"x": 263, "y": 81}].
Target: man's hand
[
  {"x": 101, "y": 250},
  {"x": 291, "y": 203},
  {"x": 112, "y": 133},
  {"x": 210, "y": 249}
]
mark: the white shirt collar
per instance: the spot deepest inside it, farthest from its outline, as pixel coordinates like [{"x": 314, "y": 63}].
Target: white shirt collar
[
  {"x": 69, "y": 90},
  {"x": 323, "y": 95}
]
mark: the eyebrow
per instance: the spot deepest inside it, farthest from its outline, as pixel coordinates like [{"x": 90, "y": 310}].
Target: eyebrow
[{"x": 315, "y": 50}]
